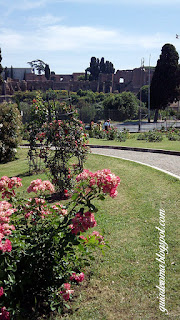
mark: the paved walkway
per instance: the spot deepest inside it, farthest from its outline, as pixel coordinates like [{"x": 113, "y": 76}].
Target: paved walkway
[{"x": 166, "y": 163}]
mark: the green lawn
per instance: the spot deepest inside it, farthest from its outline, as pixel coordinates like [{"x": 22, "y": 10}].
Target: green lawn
[
  {"x": 165, "y": 144},
  {"x": 122, "y": 283}
]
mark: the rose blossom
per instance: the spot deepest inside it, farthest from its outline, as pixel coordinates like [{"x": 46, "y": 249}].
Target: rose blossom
[
  {"x": 39, "y": 185},
  {"x": 66, "y": 292},
  {"x": 82, "y": 222},
  {"x": 76, "y": 277}
]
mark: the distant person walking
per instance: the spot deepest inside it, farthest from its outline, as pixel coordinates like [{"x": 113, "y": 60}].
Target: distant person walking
[{"x": 107, "y": 125}]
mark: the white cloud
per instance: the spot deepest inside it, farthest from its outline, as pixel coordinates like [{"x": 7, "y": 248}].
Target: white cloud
[
  {"x": 48, "y": 19},
  {"x": 10, "y": 39},
  {"x": 64, "y": 38},
  {"x": 69, "y": 38}
]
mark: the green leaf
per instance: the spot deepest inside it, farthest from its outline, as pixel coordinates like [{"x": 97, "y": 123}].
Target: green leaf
[{"x": 75, "y": 196}]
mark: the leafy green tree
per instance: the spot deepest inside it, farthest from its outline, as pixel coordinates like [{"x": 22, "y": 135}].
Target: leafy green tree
[
  {"x": 129, "y": 104},
  {"x": 125, "y": 105},
  {"x": 165, "y": 81},
  {"x": 38, "y": 64},
  {"x": 108, "y": 103}
]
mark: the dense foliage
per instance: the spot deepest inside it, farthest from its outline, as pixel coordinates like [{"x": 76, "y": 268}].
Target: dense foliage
[
  {"x": 10, "y": 123},
  {"x": 121, "y": 106}
]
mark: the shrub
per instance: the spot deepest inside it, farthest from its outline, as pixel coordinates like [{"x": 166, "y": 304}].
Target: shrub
[
  {"x": 111, "y": 133},
  {"x": 42, "y": 246},
  {"x": 123, "y": 135},
  {"x": 10, "y": 123},
  {"x": 173, "y": 134},
  {"x": 154, "y": 136},
  {"x": 142, "y": 136},
  {"x": 151, "y": 136}
]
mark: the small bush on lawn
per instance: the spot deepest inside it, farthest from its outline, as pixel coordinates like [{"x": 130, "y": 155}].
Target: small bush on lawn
[
  {"x": 123, "y": 135},
  {"x": 111, "y": 133},
  {"x": 43, "y": 251},
  {"x": 173, "y": 134},
  {"x": 151, "y": 136}
]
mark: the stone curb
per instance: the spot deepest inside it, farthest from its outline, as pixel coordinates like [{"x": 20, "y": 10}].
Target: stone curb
[{"x": 170, "y": 152}]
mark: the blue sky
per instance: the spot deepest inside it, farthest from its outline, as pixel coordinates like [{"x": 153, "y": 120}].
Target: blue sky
[{"x": 67, "y": 33}]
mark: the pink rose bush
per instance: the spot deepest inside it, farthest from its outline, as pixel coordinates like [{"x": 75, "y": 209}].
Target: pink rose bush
[{"x": 41, "y": 244}]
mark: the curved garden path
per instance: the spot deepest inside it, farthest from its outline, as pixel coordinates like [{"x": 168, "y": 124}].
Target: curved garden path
[{"x": 163, "y": 162}]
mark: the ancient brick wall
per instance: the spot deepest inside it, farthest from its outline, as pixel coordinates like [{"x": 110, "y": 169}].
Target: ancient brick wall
[{"x": 133, "y": 80}]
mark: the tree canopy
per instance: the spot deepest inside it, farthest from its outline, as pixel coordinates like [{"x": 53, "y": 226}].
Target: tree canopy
[
  {"x": 126, "y": 103},
  {"x": 99, "y": 66},
  {"x": 38, "y": 64},
  {"x": 165, "y": 81}
]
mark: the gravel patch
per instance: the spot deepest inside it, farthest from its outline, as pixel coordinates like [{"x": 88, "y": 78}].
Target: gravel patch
[{"x": 167, "y": 163}]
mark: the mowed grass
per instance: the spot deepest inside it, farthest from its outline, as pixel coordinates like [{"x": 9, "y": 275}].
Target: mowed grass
[
  {"x": 122, "y": 283},
  {"x": 133, "y": 142}
]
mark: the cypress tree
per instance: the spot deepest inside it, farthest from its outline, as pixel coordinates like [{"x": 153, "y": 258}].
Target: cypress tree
[{"x": 165, "y": 81}]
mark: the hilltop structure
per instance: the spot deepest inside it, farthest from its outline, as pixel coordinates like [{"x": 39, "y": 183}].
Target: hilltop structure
[{"x": 123, "y": 80}]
